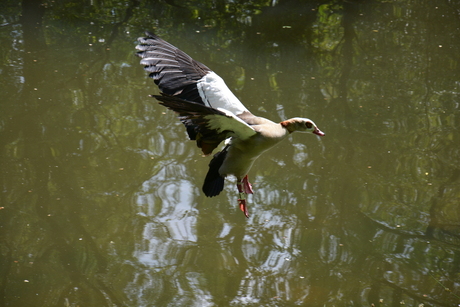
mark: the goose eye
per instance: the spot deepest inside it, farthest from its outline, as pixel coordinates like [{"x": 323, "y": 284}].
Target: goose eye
[{"x": 309, "y": 125}]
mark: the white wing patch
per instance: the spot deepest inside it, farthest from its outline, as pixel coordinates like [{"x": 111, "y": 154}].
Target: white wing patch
[
  {"x": 222, "y": 123},
  {"x": 215, "y": 93}
]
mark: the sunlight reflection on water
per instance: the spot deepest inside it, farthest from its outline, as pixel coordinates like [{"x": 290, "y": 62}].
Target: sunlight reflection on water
[{"x": 169, "y": 203}]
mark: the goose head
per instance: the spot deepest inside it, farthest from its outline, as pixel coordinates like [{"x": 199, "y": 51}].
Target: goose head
[{"x": 301, "y": 125}]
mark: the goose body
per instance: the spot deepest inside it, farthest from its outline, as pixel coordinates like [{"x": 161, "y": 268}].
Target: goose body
[{"x": 212, "y": 114}]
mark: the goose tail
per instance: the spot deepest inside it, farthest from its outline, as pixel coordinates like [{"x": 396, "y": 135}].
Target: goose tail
[{"x": 214, "y": 182}]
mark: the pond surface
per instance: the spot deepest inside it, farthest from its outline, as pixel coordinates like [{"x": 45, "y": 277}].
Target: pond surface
[{"x": 101, "y": 201}]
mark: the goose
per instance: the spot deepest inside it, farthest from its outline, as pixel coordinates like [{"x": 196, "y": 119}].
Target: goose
[{"x": 212, "y": 114}]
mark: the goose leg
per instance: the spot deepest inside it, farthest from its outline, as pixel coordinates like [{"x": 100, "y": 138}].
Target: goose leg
[
  {"x": 242, "y": 198},
  {"x": 247, "y": 185}
]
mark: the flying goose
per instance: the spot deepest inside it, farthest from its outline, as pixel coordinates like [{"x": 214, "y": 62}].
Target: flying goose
[{"x": 211, "y": 114}]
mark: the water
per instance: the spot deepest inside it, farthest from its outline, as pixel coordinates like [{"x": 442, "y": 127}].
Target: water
[{"x": 101, "y": 191}]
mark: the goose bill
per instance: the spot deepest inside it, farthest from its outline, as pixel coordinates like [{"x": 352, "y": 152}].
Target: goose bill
[{"x": 318, "y": 132}]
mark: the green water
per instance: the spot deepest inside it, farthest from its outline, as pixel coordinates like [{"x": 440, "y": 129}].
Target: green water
[{"x": 101, "y": 201}]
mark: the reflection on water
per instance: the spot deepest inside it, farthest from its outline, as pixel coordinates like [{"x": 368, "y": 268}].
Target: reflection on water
[{"x": 101, "y": 201}]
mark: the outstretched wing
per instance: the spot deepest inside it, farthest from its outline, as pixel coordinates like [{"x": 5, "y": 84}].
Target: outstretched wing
[
  {"x": 212, "y": 125},
  {"x": 177, "y": 74}
]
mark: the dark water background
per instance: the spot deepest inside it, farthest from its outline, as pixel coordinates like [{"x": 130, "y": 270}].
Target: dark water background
[{"x": 100, "y": 190}]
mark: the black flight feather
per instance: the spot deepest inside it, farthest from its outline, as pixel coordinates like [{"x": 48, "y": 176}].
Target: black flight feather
[
  {"x": 174, "y": 71},
  {"x": 214, "y": 182},
  {"x": 193, "y": 116}
]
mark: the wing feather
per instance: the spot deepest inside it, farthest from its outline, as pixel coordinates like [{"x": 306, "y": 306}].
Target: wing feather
[
  {"x": 212, "y": 126},
  {"x": 171, "y": 69}
]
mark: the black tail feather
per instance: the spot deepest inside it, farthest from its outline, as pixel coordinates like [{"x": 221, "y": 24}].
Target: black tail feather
[{"x": 214, "y": 182}]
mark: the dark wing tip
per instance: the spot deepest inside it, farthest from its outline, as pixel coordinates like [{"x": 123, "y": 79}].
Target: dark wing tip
[
  {"x": 175, "y": 72},
  {"x": 151, "y": 35}
]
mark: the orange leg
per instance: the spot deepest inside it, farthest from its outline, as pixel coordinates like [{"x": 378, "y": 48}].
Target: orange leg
[
  {"x": 244, "y": 188},
  {"x": 247, "y": 185},
  {"x": 242, "y": 203}
]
